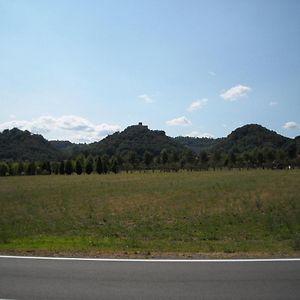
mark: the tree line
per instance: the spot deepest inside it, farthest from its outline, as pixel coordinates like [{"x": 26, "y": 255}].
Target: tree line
[{"x": 167, "y": 160}]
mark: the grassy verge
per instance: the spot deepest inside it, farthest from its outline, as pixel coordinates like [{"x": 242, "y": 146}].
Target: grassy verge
[{"x": 222, "y": 213}]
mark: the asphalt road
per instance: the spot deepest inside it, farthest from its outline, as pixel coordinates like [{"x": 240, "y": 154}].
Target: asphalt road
[{"x": 60, "y": 279}]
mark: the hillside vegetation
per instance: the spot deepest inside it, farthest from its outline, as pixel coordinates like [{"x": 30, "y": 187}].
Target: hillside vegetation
[
  {"x": 138, "y": 139},
  {"x": 241, "y": 213},
  {"x": 16, "y": 144},
  {"x": 139, "y": 148}
]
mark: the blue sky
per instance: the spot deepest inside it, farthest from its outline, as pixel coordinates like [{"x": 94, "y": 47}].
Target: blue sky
[{"x": 79, "y": 70}]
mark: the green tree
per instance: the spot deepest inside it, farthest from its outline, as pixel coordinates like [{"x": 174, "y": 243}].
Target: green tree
[
  {"x": 281, "y": 155},
  {"x": 31, "y": 168},
  {"x": 105, "y": 163},
  {"x": 216, "y": 158},
  {"x": 13, "y": 168},
  {"x": 247, "y": 158},
  {"x": 55, "y": 167},
  {"x": 21, "y": 168},
  {"x": 69, "y": 167},
  {"x": 189, "y": 156},
  {"x": 89, "y": 167},
  {"x": 3, "y": 169},
  {"x": 260, "y": 158},
  {"x": 164, "y": 156},
  {"x": 292, "y": 150},
  {"x": 174, "y": 156},
  {"x": 62, "y": 168},
  {"x": 147, "y": 158},
  {"x": 204, "y": 158},
  {"x": 99, "y": 166},
  {"x": 46, "y": 168},
  {"x": 120, "y": 161},
  {"x": 132, "y": 159},
  {"x": 78, "y": 167},
  {"x": 269, "y": 154},
  {"x": 232, "y": 158},
  {"x": 114, "y": 165}
]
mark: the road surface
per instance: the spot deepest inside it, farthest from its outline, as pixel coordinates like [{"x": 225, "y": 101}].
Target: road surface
[{"x": 75, "y": 279}]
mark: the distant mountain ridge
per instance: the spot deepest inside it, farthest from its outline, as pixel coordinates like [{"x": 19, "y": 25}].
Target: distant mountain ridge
[{"x": 16, "y": 144}]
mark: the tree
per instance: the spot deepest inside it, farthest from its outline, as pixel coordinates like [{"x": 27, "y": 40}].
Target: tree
[
  {"x": 31, "y": 168},
  {"x": 189, "y": 156},
  {"x": 114, "y": 165},
  {"x": 46, "y": 168},
  {"x": 13, "y": 168},
  {"x": 89, "y": 167},
  {"x": 131, "y": 157},
  {"x": 55, "y": 167},
  {"x": 99, "y": 166},
  {"x": 247, "y": 158},
  {"x": 78, "y": 167},
  {"x": 232, "y": 158},
  {"x": 269, "y": 154},
  {"x": 188, "y": 159},
  {"x": 21, "y": 168},
  {"x": 292, "y": 150},
  {"x": 3, "y": 169},
  {"x": 203, "y": 157},
  {"x": 174, "y": 156},
  {"x": 105, "y": 163},
  {"x": 164, "y": 156},
  {"x": 281, "y": 155},
  {"x": 62, "y": 168},
  {"x": 120, "y": 160},
  {"x": 216, "y": 158},
  {"x": 147, "y": 158},
  {"x": 260, "y": 158},
  {"x": 69, "y": 167}
]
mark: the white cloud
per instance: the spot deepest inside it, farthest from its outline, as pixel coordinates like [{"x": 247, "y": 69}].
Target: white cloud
[
  {"x": 273, "y": 103},
  {"x": 200, "y": 134},
  {"x": 291, "y": 125},
  {"x": 181, "y": 121},
  {"x": 236, "y": 92},
  {"x": 69, "y": 127},
  {"x": 198, "y": 104},
  {"x": 146, "y": 98}
]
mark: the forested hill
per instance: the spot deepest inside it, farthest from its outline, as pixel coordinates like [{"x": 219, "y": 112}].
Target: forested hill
[
  {"x": 252, "y": 137},
  {"x": 137, "y": 139},
  {"x": 16, "y": 144}
]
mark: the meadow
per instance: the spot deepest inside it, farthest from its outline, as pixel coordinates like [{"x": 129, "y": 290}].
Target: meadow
[{"x": 208, "y": 213}]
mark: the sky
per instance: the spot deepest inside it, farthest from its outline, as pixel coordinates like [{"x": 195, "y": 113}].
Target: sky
[{"x": 79, "y": 70}]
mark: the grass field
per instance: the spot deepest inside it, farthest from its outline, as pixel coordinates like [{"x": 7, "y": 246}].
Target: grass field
[{"x": 222, "y": 213}]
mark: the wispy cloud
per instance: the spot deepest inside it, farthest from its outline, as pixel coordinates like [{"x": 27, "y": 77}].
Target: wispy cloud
[
  {"x": 273, "y": 103},
  {"x": 181, "y": 121},
  {"x": 146, "y": 98},
  {"x": 212, "y": 73},
  {"x": 236, "y": 92},
  {"x": 68, "y": 127},
  {"x": 198, "y": 104},
  {"x": 291, "y": 125},
  {"x": 198, "y": 134}
]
